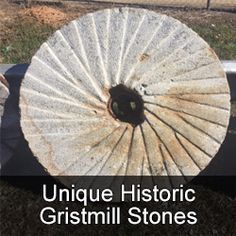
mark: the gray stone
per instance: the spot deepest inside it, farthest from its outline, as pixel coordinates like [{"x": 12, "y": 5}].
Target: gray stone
[{"x": 4, "y": 92}]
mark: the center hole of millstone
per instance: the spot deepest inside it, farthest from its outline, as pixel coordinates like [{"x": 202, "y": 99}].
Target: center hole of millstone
[{"x": 126, "y": 105}]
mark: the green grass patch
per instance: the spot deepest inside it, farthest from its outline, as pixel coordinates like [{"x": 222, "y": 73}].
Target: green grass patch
[
  {"x": 27, "y": 35},
  {"x": 221, "y": 37},
  {"x": 24, "y": 39}
]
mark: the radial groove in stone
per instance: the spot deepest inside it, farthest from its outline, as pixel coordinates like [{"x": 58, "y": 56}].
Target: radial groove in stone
[{"x": 65, "y": 97}]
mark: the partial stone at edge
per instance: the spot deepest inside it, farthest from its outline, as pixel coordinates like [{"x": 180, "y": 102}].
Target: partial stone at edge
[{"x": 4, "y": 92}]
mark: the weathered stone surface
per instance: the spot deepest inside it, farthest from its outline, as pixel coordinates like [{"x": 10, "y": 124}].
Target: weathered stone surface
[
  {"x": 65, "y": 92},
  {"x": 4, "y": 92}
]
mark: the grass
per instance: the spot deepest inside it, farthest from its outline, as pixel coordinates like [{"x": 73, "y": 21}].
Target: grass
[
  {"x": 25, "y": 38},
  {"x": 221, "y": 37},
  {"x": 26, "y": 35}
]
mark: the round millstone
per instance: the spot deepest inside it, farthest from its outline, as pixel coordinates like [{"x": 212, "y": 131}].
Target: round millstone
[{"x": 77, "y": 122}]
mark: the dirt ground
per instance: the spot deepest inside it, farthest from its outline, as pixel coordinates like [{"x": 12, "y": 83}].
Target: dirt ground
[
  {"x": 185, "y": 3},
  {"x": 59, "y": 14},
  {"x": 217, "y": 28}
]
